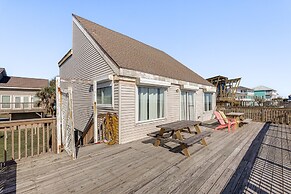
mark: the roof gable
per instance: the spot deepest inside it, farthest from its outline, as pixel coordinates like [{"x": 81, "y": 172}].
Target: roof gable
[
  {"x": 21, "y": 82},
  {"x": 131, "y": 54}
]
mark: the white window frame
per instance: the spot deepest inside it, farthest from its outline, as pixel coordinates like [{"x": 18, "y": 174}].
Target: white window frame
[
  {"x": 14, "y": 102},
  {"x": 103, "y": 84},
  {"x": 29, "y": 102},
  {"x": 137, "y": 104},
  {"x": 10, "y": 98},
  {"x": 204, "y": 101},
  {"x": 194, "y": 102}
]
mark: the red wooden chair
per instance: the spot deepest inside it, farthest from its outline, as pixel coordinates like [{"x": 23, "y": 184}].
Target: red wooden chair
[{"x": 223, "y": 123}]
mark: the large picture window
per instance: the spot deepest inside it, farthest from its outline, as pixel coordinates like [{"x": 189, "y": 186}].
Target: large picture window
[
  {"x": 151, "y": 103},
  {"x": 207, "y": 101},
  {"x": 104, "y": 94},
  {"x": 6, "y": 102}
]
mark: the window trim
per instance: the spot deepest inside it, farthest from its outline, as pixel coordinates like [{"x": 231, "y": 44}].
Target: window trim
[
  {"x": 28, "y": 102},
  {"x": 111, "y": 84},
  {"x": 194, "y": 102},
  {"x": 137, "y": 122},
  {"x": 9, "y": 102},
  {"x": 204, "y": 102},
  {"x": 14, "y": 102}
]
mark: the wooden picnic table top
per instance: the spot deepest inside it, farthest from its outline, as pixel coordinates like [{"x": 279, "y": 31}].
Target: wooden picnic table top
[
  {"x": 234, "y": 114},
  {"x": 177, "y": 125}
]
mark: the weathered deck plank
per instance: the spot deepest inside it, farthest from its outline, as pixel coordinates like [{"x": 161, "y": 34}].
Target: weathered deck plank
[{"x": 247, "y": 160}]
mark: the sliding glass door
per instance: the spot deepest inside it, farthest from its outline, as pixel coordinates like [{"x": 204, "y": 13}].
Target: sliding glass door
[{"x": 187, "y": 105}]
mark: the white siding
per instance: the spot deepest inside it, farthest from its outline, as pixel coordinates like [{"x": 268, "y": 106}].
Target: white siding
[
  {"x": 129, "y": 129},
  {"x": 85, "y": 64},
  {"x": 201, "y": 114}
]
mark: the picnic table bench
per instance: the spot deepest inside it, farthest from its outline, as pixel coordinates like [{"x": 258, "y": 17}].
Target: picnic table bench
[{"x": 172, "y": 132}]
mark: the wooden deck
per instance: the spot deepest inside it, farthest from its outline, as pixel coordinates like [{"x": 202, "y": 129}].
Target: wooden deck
[{"x": 255, "y": 158}]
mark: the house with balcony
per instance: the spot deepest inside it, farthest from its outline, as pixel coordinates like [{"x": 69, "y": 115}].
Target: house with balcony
[
  {"x": 265, "y": 93},
  {"x": 246, "y": 96},
  {"x": 18, "y": 96}
]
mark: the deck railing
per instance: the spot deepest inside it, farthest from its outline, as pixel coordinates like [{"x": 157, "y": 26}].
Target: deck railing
[
  {"x": 24, "y": 138},
  {"x": 20, "y": 106},
  {"x": 263, "y": 114}
]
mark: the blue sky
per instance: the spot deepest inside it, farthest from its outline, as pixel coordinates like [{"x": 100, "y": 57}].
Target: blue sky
[{"x": 249, "y": 39}]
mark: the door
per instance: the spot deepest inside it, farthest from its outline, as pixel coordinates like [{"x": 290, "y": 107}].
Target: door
[{"x": 187, "y": 105}]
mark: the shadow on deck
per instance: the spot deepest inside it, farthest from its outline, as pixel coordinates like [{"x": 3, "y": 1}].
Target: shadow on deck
[
  {"x": 265, "y": 168},
  {"x": 8, "y": 177}
]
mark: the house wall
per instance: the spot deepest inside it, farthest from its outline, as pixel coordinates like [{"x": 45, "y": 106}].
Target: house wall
[
  {"x": 131, "y": 130},
  {"x": 86, "y": 63},
  {"x": 201, "y": 114},
  {"x": 17, "y": 92}
]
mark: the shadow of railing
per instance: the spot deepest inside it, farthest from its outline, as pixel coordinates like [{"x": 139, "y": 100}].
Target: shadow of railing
[
  {"x": 239, "y": 179},
  {"x": 265, "y": 168},
  {"x": 8, "y": 177}
]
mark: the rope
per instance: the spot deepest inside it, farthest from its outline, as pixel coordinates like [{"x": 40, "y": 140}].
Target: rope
[{"x": 111, "y": 128}]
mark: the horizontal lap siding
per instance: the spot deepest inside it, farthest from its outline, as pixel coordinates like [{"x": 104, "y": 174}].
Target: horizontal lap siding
[
  {"x": 85, "y": 64},
  {"x": 199, "y": 100},
  {"x": 129, "y": 129},
  {"x": 173, "y": 103}
]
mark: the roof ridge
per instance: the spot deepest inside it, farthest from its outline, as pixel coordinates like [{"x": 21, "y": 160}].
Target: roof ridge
[
  {"x": 26, "y": 77},
  {"x": 129, "y": 53},
  {"x": 117, "y": 33}
]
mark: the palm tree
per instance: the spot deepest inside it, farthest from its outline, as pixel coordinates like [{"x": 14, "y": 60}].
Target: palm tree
[{"x": 47, "y": 97}]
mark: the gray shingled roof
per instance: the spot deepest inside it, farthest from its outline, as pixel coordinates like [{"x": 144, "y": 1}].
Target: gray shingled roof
[
  {"x": 21, "y": 82},
  {"x": 131, "y": 54},
  {"x": 262, "y": 88}
]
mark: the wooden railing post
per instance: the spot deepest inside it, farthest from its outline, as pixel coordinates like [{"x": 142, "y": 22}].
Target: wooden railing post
[
  {"x": 54, "y": 147},
  {"x": 5, "y": 144},
  {"x": 263, "y": 116},
  {"x": 25, "y": 141},
  {"x": 12, "y": 142},
  {"x": 19, "y": 142}
]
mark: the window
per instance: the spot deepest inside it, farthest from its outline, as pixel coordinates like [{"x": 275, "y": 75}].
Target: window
[
  {"x": 5, "y": 101},
  {"x": 151, "y": 103},
  {"x": 35, "y": 101},
  {"x": 17, "y": 102},
  {"x": 25, "y": 102},
  {"x": 187, "y": 105},
  {"x": 104, "y": 93},
  {"x": 207, "y": 101}
]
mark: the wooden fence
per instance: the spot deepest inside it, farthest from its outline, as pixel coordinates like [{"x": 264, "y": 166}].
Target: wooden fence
[
  {"x": 24, "y": 138},
  {"x": 262, "y": 114}
]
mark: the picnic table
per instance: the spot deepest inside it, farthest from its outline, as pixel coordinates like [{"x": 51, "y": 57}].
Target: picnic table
[
  {"x": 238, "y": 116},
  {"x": 172, "y": 132}
]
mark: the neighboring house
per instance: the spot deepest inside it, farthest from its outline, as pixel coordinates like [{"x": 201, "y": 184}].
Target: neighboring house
[
  {"x": 17, "y": 95},
  {"x": 265, "y": 93},
  {"x": 144, "y": 86},
  {"x": 245, "y": 95}
]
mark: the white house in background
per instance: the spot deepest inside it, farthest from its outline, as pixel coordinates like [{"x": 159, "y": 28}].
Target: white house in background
[
  {"x": 18, "y": 96},
  {"x": 144, "y": 86},
  {"x": 265, "y": 93},
  {"x": 245, "y": 95}
]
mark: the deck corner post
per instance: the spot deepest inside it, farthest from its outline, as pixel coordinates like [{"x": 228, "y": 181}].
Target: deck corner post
[
  {"x": 95, "y": 113},
  {"x": 58, "y": 113}
]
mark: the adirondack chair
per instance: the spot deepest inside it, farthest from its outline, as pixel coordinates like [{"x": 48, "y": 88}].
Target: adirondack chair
[
  {"x": 223, "y": 123},
  {"x": 226, "y": 119}
]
